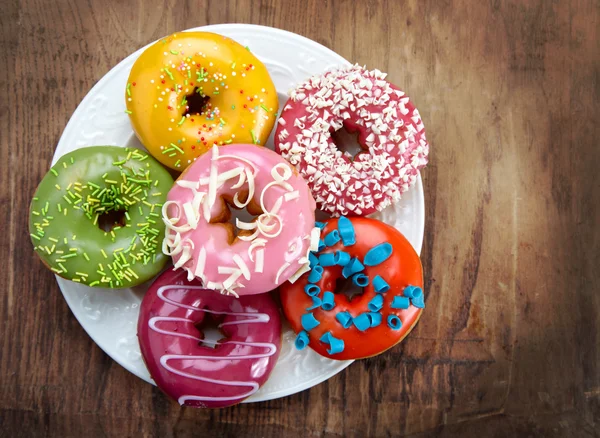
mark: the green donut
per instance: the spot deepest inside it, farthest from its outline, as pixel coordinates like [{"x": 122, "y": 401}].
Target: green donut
[{"x": 116, "y": 187}]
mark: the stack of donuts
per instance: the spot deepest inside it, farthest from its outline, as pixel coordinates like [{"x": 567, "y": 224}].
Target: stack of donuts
[{"x": 203, "y": 106}]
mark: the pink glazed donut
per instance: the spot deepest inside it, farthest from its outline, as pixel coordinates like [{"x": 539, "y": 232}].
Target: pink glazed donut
[
  {"x": 198, "y": 375},
  {"x": 390, "y": 132},
  {"x": 268, "y": 250}
]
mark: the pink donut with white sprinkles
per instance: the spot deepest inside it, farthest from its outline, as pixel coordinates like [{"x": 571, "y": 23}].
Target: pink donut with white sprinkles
[{"x": 390, "y": 132}]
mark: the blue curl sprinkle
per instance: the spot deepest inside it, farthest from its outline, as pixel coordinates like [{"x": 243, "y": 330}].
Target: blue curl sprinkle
[
  {"x": 418, "y": 302},
  {"x": 345, "y": 319},
  {"x": 360, "y": 280},
  {"x": 314, "y": 261},
  {"x": 309, "y": 321},
  {"x": 321, "y": 225},
  {"x": 335, "y": 345},
  {"x": 375, "y": 318},
  {"x": 316, "y": 274},
  {"x": 326, "y": 338},
  {"x": 316, "y": 303},
  {"x": 332, "y": 238},
  {"x": 346, "y": 231},
  {"x": 380, "y": 285},
  {"x": 341, "y": 258},
  {"x": 327, "y": 259},
  {"x": 400, "y": 302},
  {"x": 394, "y": 322},
  {"x": 376, "y": 303},
  {"x": 362, "y": 321},
  {"x": 301, "y": 340},
  {"x": 328, "y": 301},
  {"x": 321, "y": 245},
  {"x": 411, "y": 291},
  {"x": 378, "y": 254},
  {"x": 312, "y": 289},
  {"x": 352, "y": 267}
]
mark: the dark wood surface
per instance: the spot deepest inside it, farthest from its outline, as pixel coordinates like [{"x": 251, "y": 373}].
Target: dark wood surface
[{"x": 509, "y": 342}]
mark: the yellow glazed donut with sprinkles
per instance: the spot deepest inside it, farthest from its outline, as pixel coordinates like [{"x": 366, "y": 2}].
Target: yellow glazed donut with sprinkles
[{"x": 192, "y": 90}]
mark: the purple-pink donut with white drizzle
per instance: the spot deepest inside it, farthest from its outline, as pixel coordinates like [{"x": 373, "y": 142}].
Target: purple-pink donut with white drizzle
[
  {"x": 193, "y": 370},
  {"x": 269, "y": 250},
  {"x": 390, "y": 132}
]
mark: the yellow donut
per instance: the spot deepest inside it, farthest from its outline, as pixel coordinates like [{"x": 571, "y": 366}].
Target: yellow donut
[{"x": 192, "y": 90}]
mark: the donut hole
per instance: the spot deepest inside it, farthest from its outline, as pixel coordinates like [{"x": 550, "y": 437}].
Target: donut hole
[
  {"x": 345, "y": 286},
  {"x": 209, "y": 332},
  {"x": 111, "y": 219},
  {"x": 229, "y": 213},
  {"x": 197, "y": 102},
  {"x": 347, "y": 141}
]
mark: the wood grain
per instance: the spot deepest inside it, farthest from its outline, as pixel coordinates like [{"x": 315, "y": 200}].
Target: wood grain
[{"x": 509, "y": 342}]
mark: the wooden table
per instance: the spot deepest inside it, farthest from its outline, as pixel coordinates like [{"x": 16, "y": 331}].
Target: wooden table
[{"x": 509, "y": 342}]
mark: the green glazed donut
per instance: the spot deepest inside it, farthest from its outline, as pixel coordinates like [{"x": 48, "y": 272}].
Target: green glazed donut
[{"x": 119, "y": 189}]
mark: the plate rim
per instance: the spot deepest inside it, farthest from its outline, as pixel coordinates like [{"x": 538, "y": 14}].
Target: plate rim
[{"x": 418, "y": 188}]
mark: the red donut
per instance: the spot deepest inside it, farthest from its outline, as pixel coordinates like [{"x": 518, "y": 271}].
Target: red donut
[
  {"x": 369, "y": 324},
  {"x": 192, "y": 373},
  {"x": 390, "y": 132}
]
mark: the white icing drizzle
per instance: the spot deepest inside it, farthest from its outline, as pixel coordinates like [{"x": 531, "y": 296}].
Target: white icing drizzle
[{"x": 253, "y": 318}]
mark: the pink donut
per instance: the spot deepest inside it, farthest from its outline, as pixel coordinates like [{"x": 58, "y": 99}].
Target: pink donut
[
  {"x": 271, "y": 249},
  {"x": 197, "y": 375},
  {"x": 390, "y": 132}
]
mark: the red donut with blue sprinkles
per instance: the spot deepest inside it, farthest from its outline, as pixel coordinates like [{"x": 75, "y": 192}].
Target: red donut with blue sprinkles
[
  {"x": 390, "y": 133},
  {"x": 373, "y": 256}
]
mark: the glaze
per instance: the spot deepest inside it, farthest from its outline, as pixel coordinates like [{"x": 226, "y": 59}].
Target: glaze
[
  {"x": 390, "y": 132},
  {"x": 192, "y": 90},
  {"x": 177, "y": 356},
  {"x": 269, "y": 250}
]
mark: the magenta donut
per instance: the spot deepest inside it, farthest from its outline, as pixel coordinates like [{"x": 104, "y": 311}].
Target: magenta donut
[
  {"x": 390, "y": 132},
  {"x": 197, "y": 375},
  {"x": 274, "y": 246}
]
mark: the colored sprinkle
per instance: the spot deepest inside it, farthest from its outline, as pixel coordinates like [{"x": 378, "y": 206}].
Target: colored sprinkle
[
  {"x": 394, "y": 322},
  {"x": 128, "y": 112},
  {"x": 352, "y": 267},
  {"x": 128, "y": 89},
  {"x": 328, "y": 301},
  {"x": 104, "y": 253},
  {"x": 341, "y": 258},
  {"x": 85, "y": 256},
  {"x": 309, "y": 322},
  {"x": 413, "y": 291},
  {"x": 321, "y": 225},
  {"x": 233, "y": 65},
  {"x": 94, "y": 283},
  {"x": 316, "y": 303},
  {"x": 362, "y": 322},
  {"x": 345, "y": 319},
  {"x": 316, "y": 274},
  {"x": 312, "y": 290},
  {"x": 332, "y": 238},
  {"x": 376, "y": 303},
  {"x": 314, "y": 261},
  {"x": 327, "y": 259},
  {"x": 380, "y": 285},
  {"x": 57, "y": 186},
  {"x": 346, "y": 231},
  {"x": 54, "y": 172},
  {"x": 301, "y": 340},
  {"x": 378, "y": 254},
  {"x": 35, "y": 236},
  {"x": 360, "y": 280},
  {"x": 375, "y": 318},
  {"x": 169, "y": 73},
  {"x": 400, "y": 303},
  {"x": 254, "y": 139},
  {"x": 177, "y": 163},
  {"x": 174, "y": 52},
  {"x": 177, "y": 148},
  {"x": 265, "y": 108}
]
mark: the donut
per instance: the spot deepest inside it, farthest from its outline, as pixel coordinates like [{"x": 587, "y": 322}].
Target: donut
[
  {"x": 183, "y": 364},
  {"x": 390, "y": 133},
  {"x": 95, "y": 217},
  {"x": 192, "y": 90},
  {"x": 373, "y": 256},
  {"x": 268, "y": 250}
]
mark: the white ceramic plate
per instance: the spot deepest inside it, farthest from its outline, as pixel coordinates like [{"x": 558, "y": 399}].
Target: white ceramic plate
[{"x": 110, "y": 316}]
